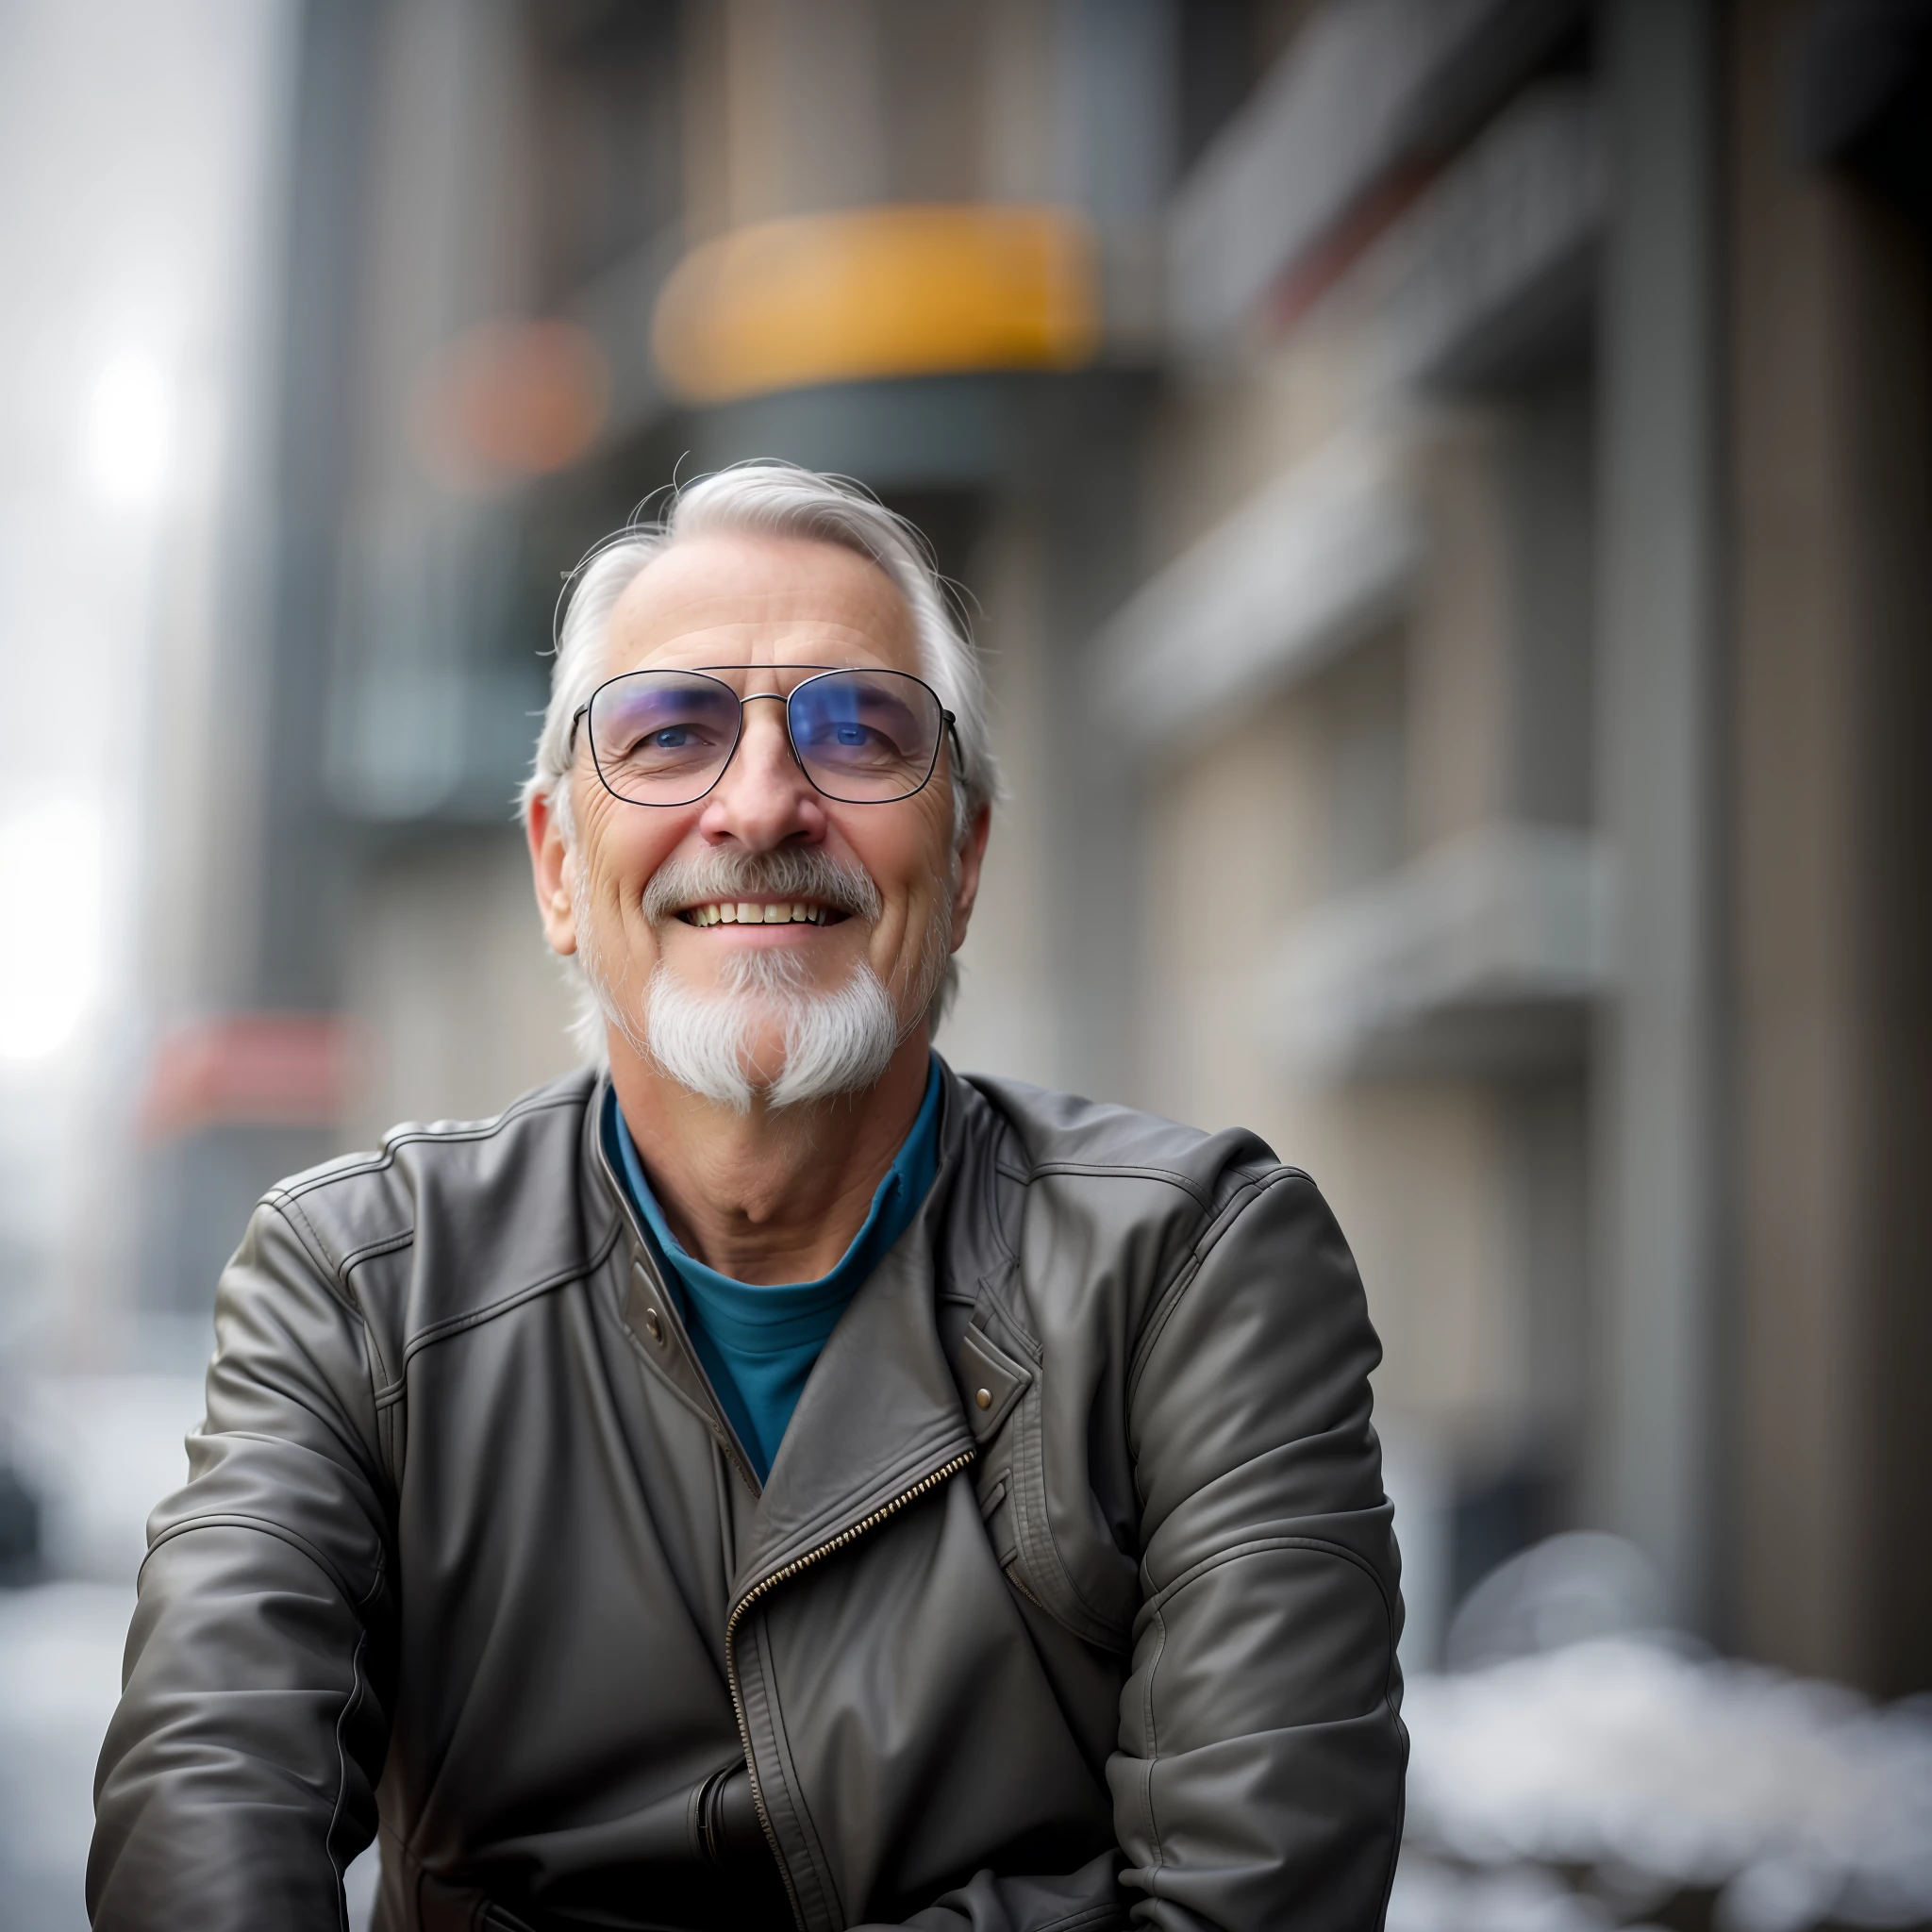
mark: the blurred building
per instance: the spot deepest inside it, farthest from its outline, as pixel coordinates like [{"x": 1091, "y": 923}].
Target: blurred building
[{"x": 1442, "y": 486}]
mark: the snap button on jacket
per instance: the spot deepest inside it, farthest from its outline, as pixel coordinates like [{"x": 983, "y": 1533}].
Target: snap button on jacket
[{"x": 1071, "y": 1600}]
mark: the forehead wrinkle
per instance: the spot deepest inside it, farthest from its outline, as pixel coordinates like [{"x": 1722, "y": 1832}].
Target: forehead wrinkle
[
  {"x": 828, "y": 645},
  {"x": 678, "y": 604}
]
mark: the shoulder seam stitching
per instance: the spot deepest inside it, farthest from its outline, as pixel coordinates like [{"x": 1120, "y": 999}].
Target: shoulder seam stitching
[
  {"x": 1106, "y": 1169},
  {"x": 1161, "y": 1309},
  {"x": 580, "y": 1269},
  {"x": 305, "y": 1231},
  {"x": 453, "y": 1136},
  {"x": 236, "y": 1519},
  {"x": 1321, "y": 1546},
  {"x": 371, "y": 1251}
]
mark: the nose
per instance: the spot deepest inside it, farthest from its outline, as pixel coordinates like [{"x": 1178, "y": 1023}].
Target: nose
[{"x": 764, "y": 800}]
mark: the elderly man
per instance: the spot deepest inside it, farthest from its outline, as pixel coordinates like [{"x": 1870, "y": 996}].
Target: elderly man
[{"x": 771, "y": 1479}]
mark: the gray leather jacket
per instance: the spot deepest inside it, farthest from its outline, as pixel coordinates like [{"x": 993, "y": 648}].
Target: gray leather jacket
[{"x": 1071, "y": 1601}]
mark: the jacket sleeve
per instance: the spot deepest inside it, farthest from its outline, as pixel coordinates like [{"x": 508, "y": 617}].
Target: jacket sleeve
[
  {"x": 1260, "y": 1776},
  {"x": 1258, "y": 1786},
  {"x": 238, "y": 1776}
]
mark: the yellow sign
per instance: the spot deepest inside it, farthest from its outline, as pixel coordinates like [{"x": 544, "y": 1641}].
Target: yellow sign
[{"x": 878, "y": 291}]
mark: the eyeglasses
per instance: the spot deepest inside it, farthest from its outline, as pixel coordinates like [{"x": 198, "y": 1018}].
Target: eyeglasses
[{"x": 861, "y": 736}]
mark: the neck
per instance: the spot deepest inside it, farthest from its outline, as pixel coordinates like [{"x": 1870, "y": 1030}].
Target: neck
[{"x": 772, "y": 1194}]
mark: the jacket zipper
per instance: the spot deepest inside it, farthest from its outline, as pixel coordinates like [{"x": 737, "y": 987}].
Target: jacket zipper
[{"x": 924, "y": 1486}]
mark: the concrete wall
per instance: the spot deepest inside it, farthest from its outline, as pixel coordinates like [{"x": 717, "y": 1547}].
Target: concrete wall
[{"x": 1830, "y": 464}]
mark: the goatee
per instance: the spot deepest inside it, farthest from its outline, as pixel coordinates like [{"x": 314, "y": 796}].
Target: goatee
[{"x": 833, "y": 1042}]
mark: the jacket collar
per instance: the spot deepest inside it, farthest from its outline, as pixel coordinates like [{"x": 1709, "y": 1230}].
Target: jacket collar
[{"x": 881, "y": 1411}]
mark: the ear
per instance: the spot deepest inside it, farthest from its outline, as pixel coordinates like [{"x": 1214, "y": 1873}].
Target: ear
[
  {"x": 549, "y": 870},
  {"x": 972, "y": 858}
]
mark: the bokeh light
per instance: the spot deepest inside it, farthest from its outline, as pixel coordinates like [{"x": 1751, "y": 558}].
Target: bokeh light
[
  {"x": 50, "y": 927},
  {"x": 128, "y": 425}
]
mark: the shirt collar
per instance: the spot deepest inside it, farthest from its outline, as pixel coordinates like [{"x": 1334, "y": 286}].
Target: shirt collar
[{"x": 781, "y": 1315}]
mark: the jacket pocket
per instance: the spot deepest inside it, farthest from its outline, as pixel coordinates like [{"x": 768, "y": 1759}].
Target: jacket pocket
[
  {"x": 1003, "y": 1396},
  {"x": 997, "y": 1512},
  {"x": 991, "y": 1383}
]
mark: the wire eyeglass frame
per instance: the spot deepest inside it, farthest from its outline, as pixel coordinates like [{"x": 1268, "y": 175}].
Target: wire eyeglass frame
[{"x": 820, "y": 672}]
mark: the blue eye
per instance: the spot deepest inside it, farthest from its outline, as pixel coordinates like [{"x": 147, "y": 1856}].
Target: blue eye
[{"x": 672, "y": 737}]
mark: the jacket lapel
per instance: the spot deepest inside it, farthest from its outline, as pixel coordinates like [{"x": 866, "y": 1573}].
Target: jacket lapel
[{"x": 880, "y": 1412}]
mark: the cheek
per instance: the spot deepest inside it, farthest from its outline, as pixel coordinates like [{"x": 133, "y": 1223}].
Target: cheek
[
  {"x": 622, "y": 849},
  {"x": 616, "y": 872},
  {"x": 911, "y": 866}
]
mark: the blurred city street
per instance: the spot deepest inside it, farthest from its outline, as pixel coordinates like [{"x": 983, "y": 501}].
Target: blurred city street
[
  {"x": 59, "y": 1678},
  {"x": 1440, "y": 490}
]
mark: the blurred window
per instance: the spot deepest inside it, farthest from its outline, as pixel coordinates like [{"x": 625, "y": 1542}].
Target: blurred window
[{"x": 607, "y": 134}]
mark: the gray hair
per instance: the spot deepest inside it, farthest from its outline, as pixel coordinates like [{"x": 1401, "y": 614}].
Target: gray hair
[
  {"x": 768, "y": 499},
  {"x": 763, "y": 499}
]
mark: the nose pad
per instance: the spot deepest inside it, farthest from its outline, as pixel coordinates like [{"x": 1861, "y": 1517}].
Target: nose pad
[
  {"x": 784, "y": 725},
  {"x": 772, "y": 697},
  {"x": 759, "y": 796}
]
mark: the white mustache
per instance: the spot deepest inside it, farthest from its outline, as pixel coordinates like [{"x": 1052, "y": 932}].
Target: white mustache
[{"x": 790, "y": 872}]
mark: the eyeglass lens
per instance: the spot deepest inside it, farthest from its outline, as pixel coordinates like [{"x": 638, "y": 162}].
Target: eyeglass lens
[{"x": 863, "y": 736}]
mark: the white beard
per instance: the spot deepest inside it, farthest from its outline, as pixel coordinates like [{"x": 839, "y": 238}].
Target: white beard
[{"x": 835, "y": 1043}]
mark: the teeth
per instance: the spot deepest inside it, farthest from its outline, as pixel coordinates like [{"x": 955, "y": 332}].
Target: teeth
[{"x": 746, "y": 912}]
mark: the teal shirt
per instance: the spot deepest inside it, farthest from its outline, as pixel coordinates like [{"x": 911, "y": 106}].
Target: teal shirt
[{"x": 758, "y": 1343}]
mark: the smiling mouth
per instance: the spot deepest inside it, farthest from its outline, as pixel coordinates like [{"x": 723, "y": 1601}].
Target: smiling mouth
[{"x": 760, "y": 913}]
